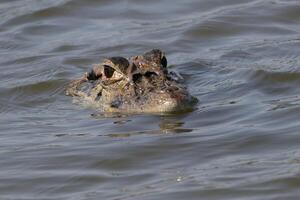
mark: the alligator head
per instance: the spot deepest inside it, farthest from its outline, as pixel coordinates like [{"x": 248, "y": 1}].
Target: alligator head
[{"x": 139, "y": 84}]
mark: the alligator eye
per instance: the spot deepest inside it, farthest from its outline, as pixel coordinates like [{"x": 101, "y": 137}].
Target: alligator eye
[
  {"x": 150, "y": 74},
  {"x": 136, "y": 77},
  {"x": 108, "y": 71},
  {"x": 164, "y": 62}
]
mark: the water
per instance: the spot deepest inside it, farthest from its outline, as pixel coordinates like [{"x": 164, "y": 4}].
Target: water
[{"x": 240, "y": 58}]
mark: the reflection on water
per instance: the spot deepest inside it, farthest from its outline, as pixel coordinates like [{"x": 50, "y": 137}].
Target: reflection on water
[{"x": 240, "y": 58}]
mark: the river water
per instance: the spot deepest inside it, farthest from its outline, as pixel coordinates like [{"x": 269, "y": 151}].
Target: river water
[{"x": 240, "y": 58}]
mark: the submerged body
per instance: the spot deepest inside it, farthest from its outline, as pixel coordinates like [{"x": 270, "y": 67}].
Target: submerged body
[{"x": 140, "y": 84}]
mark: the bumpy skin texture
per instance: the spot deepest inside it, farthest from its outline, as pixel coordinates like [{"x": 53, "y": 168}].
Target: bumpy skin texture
[{"x": 140, "y": 84}]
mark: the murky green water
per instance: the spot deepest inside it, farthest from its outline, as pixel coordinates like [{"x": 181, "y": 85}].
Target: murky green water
[{"x": 240, "y": 58}]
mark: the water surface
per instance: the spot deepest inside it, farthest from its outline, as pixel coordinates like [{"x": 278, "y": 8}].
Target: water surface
[{"x": 240, "y": 58}]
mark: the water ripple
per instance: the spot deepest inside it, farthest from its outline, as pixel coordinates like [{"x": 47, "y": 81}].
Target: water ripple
[{"x": 239, "y": 57}]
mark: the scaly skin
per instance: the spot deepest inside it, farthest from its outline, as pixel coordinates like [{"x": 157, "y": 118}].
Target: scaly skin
[{"x": 142, "y": 85}]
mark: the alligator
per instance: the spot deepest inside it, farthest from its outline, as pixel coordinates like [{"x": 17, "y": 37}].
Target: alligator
[{"x": 139, "y": 84}]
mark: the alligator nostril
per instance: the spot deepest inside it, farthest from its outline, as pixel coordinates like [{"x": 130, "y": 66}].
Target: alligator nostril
[{"x": 116, "y": 103}]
